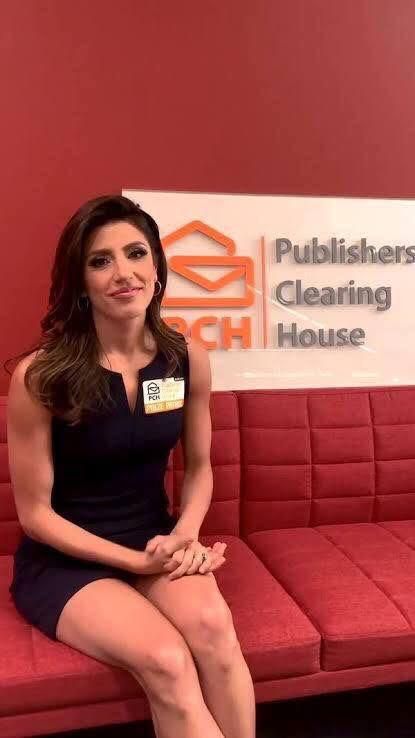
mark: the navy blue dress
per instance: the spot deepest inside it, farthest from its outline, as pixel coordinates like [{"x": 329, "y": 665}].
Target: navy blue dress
[{"x": 108, "y": 479}]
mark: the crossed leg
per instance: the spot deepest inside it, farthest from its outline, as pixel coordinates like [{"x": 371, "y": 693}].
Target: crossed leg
[
  {"x": 112, "y": 622},
  {"x": 195, "y": 606}
]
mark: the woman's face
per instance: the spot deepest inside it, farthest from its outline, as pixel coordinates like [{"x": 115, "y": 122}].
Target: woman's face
[{"x": 119, "y": 256}]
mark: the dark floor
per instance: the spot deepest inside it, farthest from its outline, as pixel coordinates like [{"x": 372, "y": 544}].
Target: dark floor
[{"x": 382, "y": 712}]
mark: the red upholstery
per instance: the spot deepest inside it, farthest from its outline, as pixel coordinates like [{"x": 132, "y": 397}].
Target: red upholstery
[
  {"x": 353, "y": 581},
  {"x": 314, "y": 492},
  {"x": 276, "y": 637},
  {"x": 318, "y": 457}
]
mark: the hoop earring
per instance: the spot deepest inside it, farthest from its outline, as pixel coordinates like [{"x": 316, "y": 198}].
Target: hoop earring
[
  {"x": 159, "y": 283},
  {"x": 80, "y": 308}
]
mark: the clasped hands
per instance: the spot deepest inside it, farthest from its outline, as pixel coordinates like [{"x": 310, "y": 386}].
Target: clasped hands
[{"x": 179, "y": 555}]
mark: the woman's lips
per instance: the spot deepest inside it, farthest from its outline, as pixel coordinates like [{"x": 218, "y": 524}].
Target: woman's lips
[{"x": 126, "y": 295}]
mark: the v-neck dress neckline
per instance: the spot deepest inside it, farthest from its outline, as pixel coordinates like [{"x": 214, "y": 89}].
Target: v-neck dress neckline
[{"x": 132, "y": 413}]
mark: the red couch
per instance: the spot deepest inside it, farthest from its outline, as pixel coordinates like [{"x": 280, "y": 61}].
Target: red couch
[{"x": 314, "y": 492}]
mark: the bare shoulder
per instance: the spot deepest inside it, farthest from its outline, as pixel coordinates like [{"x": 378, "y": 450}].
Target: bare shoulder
[
  {"x": 20, "y": 402},
  {"x": 198, "y": 354},
  {"x": 199, "y": 366},
  {"x": 22, "y": 366}
]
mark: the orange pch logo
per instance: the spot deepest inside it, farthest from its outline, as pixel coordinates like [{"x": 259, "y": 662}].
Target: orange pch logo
[{"x": 240, "y": 268}]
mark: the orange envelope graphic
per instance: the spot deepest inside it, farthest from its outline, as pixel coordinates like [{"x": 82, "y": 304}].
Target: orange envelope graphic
[{"x": 240, "y": 268}]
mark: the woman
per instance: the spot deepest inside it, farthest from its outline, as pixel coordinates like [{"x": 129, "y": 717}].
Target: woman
[{"x": 93, "y": 413}]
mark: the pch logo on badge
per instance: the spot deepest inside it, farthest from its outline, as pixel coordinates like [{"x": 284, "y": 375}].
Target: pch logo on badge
[{"x": 153, "y": 392}]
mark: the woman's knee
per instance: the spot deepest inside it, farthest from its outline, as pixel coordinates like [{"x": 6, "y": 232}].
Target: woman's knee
[
  {"x": 212, "y": 635},
  {"x": 167, "y": 673}
]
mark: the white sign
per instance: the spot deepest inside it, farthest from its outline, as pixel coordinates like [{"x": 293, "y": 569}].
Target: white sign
[{"x": 291, "y": 291}]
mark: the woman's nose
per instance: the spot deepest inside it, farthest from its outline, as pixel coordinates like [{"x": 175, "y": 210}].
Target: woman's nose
[{"x": 124, "y": 269}]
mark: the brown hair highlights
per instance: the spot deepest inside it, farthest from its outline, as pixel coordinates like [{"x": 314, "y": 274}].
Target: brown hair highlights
[{"x": 66, "y": 376}]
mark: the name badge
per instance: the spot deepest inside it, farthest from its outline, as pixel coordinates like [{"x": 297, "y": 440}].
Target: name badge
[{"x": 161, "y": 395}]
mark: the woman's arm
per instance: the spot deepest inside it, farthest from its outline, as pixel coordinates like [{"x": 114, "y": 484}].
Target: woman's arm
[
  {"x": 32, "y": 477},
  {"x": 196, "y": 492}
]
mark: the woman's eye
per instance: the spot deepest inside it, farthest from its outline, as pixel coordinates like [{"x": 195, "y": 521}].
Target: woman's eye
[
  {"x": 98, "y": 261},
  {"x": 142, "y": 252}
]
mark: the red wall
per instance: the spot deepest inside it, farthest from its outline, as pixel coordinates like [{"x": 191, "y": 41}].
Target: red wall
[{"x": 261, "y": 96}]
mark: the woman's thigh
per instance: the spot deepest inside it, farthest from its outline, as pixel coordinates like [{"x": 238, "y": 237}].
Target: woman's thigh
[{"x": 112, "y": 622}]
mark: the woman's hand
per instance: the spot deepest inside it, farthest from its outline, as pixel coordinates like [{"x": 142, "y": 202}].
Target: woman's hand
[
  {"x": 159, "y": 551},
  {"x": 167, "y": 545},
  {"x": 189, "y": 560}
]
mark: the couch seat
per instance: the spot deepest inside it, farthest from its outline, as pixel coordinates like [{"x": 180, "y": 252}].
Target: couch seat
[{"x": 355, "y": 581}]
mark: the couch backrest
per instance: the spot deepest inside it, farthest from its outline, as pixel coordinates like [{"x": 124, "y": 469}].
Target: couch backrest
[
  {"x": 320, "y": 456},
  {"x": 223, "y": 516},
  {"x": 290, "y": 458}
]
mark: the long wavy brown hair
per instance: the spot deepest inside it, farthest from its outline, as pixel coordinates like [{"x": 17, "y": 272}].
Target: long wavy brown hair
[{"x": 66, "y": 376}]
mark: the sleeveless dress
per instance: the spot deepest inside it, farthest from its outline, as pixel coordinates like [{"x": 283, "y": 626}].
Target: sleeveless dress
[{"x": 108, "y": 479}]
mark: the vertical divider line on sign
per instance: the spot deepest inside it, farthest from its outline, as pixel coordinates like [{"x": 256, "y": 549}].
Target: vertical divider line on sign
[{"x": 264, "y": 294}]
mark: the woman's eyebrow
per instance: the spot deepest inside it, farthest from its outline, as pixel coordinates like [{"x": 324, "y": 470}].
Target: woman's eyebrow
[{"x": 109, "y": 251}]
